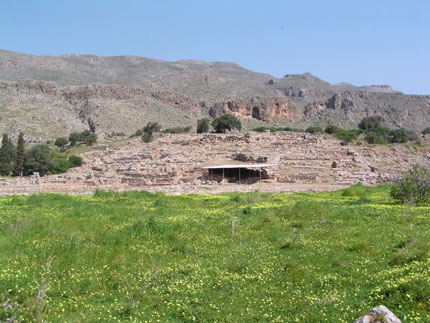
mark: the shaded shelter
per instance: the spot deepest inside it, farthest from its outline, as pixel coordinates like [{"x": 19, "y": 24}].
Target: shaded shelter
[{"x": 239, "y": 173}]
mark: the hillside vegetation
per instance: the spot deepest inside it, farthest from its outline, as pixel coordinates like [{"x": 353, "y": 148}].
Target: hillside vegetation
[{"x": 254, "y": 257}]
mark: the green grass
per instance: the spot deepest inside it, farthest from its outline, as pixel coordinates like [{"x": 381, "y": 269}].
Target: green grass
[{"x": 255, "y": 257}]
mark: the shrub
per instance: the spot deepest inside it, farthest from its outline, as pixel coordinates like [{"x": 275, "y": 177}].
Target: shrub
[
  {"x": 75, "y": 161},
  {"x": 331, "y": 129},
  {"x": 147, "y": 137},
  {"x": 226, "y": 122},
  {"x": 373, "y": 138},
  {"x": 203, "y": 125},
  {"x": 413, "y": 187},
  {"x": 399, "y": 136},
  {"x": 314, "y": 129},
  {"x": 151, "y": 127},
  {"x": 149, "y": 130},
  {"x": 60, "y": 164},
  {"x": 426, "y": 131},
  {"x": 272, "y": 129},
  {"x": 177, "y": 130},
  {"x": 370, "y": 122},
  {"x": 346, "y": 135},
  {"x": 61, "y": 142}
]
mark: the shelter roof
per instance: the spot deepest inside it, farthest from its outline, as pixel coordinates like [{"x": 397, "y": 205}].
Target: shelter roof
[{"x": 240, "y": 166}]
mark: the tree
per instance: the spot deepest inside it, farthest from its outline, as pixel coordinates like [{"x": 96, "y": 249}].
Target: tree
[
  {"x": 413, "y": 186},
  {"x": 74, "y": 138},
  {"x": 61, "y": 142},
  {"x": 38, "y": 159},
  {"x": 7, "y": 156},
  {"x": 203, "y": 125},
  {"x": 226, "y": 122},
  {"x": 370, "y": 122},
  {"x": 85, "y": 136},
  {"x": 19, "y": 161},
  {"x": 90, "y": 139}
]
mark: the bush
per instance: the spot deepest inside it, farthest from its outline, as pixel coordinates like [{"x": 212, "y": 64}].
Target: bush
[
  {"x": 373, "y": 138},
  {"x": 347, "y": 136},
  {"x": 370, "y": 122},
  {"x": 203, "y": 125},
  {"x": 426, "y": 131},
  {"x": 177, "y": 130},
  {"x": 226, "y": 122},
  {"x": 61, "y": 142},
  {"x": 151, "y": 127},
  {"x": 272, "y": 129},
  {"x": 331, "y": 129},
  {"x": 413, "y": 187},
  {"x": 75, "y": 161},
  {"x": 60, "y": 164},
  {"x": 149, "y": 130},
  {"x": 147, "y": 137},
  {"x": 399, "y": 136},
  {"x": 314, "y": 129}
]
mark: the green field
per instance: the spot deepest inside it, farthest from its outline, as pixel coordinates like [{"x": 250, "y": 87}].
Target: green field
[{"x": 254, "y": 257}]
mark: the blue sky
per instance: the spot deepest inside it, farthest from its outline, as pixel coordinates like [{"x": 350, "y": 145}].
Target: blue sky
[{"x": 356, "y": 41}]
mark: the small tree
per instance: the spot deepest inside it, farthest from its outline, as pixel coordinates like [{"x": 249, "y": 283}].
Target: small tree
[
  {"x": 226, "y": 122},
  {"x": 151, "y": 127},
  {"x": 19, "y": 161},
  {"x": 74, "y": 138},
  {"x": 203, "y": 125},
  {"x": 148, "y": 131},
  {"x": 38, "y": 159},
  {"x": 413, "y": 187},
  {"x": 90, "y": 139},
  {"x": 61, "y": 142},
  {"x": 370, "y": 122}
]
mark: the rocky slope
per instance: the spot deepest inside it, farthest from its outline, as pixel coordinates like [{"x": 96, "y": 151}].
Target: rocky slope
[{"x": 49, "y": 96}]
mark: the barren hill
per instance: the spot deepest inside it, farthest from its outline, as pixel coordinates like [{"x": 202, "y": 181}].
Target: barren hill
[{"x": 48, "y": 96}]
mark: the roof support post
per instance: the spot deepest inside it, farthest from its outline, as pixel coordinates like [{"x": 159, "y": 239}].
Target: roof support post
[
  {"x": 239, "y": 175},
  {"x": 223, "y": 174},
  {"x": 260, "y": 174}
]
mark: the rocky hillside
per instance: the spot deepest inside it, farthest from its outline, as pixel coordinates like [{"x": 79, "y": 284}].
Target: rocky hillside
[{"x": 48, "y": 96}]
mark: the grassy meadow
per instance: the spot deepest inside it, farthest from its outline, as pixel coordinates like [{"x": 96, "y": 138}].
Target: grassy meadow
[{"x": 255, "y": 257}]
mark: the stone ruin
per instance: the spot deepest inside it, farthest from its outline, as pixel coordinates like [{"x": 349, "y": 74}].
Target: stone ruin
[{"x": 173, "y": 163}]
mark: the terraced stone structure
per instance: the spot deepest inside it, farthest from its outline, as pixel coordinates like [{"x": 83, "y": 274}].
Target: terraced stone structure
[{"x": 174, "y": 164}]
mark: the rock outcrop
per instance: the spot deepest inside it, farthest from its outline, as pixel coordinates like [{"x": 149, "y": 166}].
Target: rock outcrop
[{"x": 379, "y": 314}]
